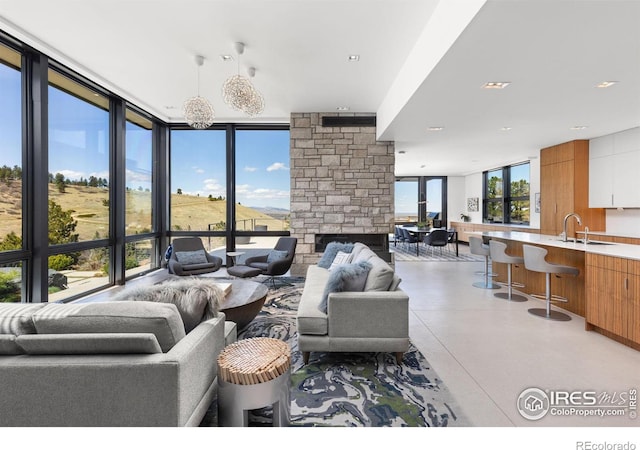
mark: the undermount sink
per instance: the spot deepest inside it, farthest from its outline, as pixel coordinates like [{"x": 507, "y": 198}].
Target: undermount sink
[{"x": 581, "y": 241}]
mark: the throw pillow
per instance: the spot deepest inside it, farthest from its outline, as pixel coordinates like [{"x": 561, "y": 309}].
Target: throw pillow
[
  {"x": 341, "y": 258},
  {"x": 195, "y": 257},
  {"x": 276, "y": 255},
  {"x": 330, "y": 252},
  {"x": 347, "y": 277}
]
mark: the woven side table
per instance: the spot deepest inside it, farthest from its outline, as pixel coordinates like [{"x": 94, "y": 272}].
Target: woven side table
[{"x": 254, "y": 373}]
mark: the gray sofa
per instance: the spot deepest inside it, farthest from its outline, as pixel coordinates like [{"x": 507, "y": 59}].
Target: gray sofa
[
  {"x": 373, "y": 320},
  {"x": 125, "y": 363}
]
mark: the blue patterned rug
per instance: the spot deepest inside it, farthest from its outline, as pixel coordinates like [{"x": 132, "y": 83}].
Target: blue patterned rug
[{"x": 350, "y": 389}]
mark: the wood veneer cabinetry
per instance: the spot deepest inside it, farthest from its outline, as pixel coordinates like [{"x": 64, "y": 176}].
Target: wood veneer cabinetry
[
  {"x": 564, "y": 188},
  {"x": 613, "y": 297}
]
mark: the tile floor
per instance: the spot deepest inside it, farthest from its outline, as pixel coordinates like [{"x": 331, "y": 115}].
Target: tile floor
[{"x": 488, "y": 350}]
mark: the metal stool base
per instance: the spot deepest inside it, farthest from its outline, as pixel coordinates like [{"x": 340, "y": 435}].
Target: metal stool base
[
  {"x": 483, "y": 285},
  {"x": 553, "y": 315},
  {"x": 514, "y": 297}
]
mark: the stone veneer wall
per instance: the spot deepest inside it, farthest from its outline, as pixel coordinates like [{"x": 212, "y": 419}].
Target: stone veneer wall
[{"x": 342, "y": 181}]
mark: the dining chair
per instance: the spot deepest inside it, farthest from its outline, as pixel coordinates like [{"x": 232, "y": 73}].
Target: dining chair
[{"x": 437, "y": 238}]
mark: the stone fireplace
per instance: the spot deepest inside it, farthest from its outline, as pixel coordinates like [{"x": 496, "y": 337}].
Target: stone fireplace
[{"x": 342, "y": 183}]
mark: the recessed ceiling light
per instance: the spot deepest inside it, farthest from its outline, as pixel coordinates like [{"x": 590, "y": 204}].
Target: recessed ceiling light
[
  {"x": 496, "y": 84},
  {"x": 605, "y": 84},
  {"x": 401, "y": 152},
  {"x": 505, "y": 128},
  {"x": 170, "y": 107},
  {"x": 423, "y": 166},
  {"x": 354, "y": 58},
  {"x": 579, "y": 127},
  {"x": 435, "y": 128},
  {"x": 342, "y": 108},
  {"x": 226, "y": 57}
]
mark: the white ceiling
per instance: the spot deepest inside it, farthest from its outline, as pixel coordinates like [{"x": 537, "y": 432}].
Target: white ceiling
[{"x": 422, "y": 63}]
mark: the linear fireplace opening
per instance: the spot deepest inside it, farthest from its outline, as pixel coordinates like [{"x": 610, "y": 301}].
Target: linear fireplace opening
[{"x": 378, "y": 242}]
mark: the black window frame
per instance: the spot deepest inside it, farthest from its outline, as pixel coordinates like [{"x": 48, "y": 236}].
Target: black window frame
[{"x": 506, "y": 199}]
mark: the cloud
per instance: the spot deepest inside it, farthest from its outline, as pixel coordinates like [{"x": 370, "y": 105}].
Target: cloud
[
  {"x": 71, "y": 174},
  {"x": 138, "y": 176},
  {"x": 262, "y": 193},
  {"x": 250, "y": 169},
  {"x": 277, "y": 166},
  {"x": 199, "y": 170}
]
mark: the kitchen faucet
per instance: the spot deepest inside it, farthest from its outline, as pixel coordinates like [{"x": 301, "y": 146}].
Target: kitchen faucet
[{"x": 564, "y": 228}]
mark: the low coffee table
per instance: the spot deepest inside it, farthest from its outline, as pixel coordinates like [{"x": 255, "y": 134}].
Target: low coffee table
[{"x": 244, "y": 302}]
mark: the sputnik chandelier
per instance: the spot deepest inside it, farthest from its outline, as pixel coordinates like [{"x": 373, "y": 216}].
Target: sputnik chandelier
[
  {"x": 198, "y": 112},
  {"x": 238, "y": 91}
]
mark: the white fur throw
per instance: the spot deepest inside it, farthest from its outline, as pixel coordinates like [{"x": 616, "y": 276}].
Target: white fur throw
[{"x": 197, "y": 299}]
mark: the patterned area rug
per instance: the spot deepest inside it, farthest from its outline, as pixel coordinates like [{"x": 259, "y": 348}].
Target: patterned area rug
[
  {"x": 407, "y": 252},
  {"x": 350, "y": 389}
]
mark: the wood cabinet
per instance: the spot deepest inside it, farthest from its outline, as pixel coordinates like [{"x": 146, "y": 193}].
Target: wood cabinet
[
  {"x": 613, "y": 174},
  {"x": 613, "y": 297},
  {"x": 564, "y": 189}
]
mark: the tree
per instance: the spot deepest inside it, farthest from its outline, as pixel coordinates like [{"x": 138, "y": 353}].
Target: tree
[
  {"x": 60, "y": 182},
  {"x": 61, "y": 225},
  {"x": 11, "y": 242},
  {"x": 179, "y": 191}
]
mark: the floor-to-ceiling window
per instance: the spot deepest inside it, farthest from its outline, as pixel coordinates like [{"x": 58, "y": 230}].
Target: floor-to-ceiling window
[
  {"x": 11, "y": 191},
  {"x": 199, "y": 185},
  {"x": 79, "y": 196},
  {"x": 406, "y": 200},
  {"x": 262, "y": 184}
]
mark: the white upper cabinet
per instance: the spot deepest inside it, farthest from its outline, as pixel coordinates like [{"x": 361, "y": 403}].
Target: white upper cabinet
[{"x": 614, "y": 170}]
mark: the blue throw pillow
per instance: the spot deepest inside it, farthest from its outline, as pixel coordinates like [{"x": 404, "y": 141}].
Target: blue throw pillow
[
  {"x": 347, "y": 277},
  {"x": 331, "y": 250},
  {"x": 276, "y": 255}
]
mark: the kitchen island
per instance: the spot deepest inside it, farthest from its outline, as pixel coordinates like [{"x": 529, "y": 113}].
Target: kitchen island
[{"x": 606, "y": 292}]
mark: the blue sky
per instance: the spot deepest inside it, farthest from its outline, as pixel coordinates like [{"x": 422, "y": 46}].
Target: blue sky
[
  {"x": 79, "y": 147},
  {"x": 406, "y": 197}
]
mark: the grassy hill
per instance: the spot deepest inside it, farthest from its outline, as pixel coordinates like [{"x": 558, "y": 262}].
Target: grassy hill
[{"x": 92, "y": 211}]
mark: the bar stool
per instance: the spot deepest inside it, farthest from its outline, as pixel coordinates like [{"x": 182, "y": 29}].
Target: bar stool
[
  {"x": 534, "y": 260},
  {"x": 476, "y": 247},
  {"x": 498, "y": 252}
]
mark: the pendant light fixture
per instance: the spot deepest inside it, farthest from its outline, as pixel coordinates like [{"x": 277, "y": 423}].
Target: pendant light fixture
[{"x": 198, "y": 112}]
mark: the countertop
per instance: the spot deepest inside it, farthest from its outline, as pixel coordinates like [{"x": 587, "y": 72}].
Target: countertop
[
  {"x": 627, "y": 251},
  {"x": 611, "y": 233}
]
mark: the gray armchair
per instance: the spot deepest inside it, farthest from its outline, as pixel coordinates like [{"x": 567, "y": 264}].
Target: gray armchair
[
  {"x": 187, "y": 258},
  {"x": 279, "y": 266}
]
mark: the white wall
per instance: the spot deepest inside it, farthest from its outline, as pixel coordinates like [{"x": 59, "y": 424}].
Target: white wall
[
  {"x": 456, "y": 201},
  {"x": 473, "y": 188}
]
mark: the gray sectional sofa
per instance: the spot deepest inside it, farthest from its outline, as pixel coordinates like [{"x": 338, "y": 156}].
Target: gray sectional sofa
[
  {"x": 374, "y": 319},
  {"x": 124, "y": 363}
]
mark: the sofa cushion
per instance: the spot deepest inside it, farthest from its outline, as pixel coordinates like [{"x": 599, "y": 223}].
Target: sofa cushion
[
  {"x": 347, "y": 277},
  {"x": 276, "y": 255},
  {"x": 15, "y": 318},
  {"x": 330, "y": 252},
  {"x": 310, "y": 319},
  {"x": 199, "y": 266},
  {"x": 194, "y": 257},
  {"x": 364, "y": 254},
  {"x": 340, "y": 259},
  {"x": 89, "y": 343},
  {"x": 161, "y": 319},
  {"x": 8, "y": 345},
  {"x": 380, "y": 276},
  {"x": 357, "y": 248},
  {"x": 197, "y": 299}
]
